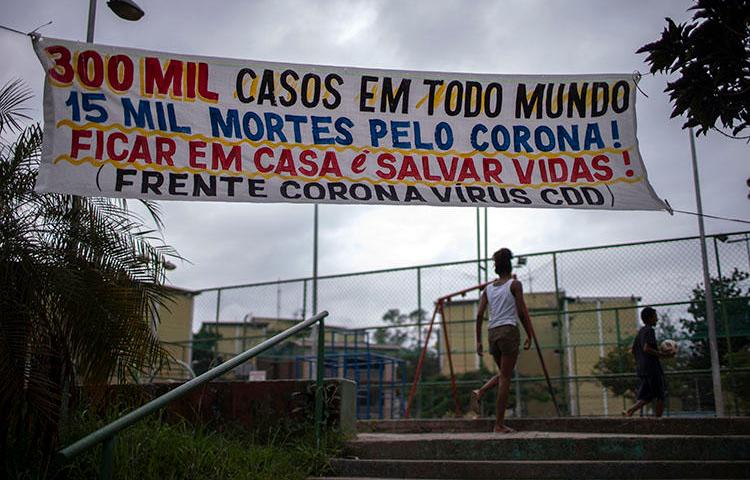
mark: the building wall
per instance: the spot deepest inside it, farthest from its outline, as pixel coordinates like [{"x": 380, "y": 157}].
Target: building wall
[
  {"x": 174, "y": 330},
  {"x": 570, "y": 344}
]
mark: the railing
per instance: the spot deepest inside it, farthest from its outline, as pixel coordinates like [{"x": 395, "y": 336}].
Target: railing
[{"x": 106, "y": 434}]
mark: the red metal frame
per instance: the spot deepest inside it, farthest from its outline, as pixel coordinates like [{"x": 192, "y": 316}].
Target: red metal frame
[{"x": 439, "y": 308}]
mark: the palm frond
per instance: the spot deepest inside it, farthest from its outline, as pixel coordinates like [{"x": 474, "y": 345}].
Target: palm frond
[{"x": 12, "y": 97}]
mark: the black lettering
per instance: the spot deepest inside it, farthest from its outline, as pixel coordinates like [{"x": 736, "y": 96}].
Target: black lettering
[
  {"x": 230, "y": 181},
  {"x": 177, "y": 181},
  {"x": 389, "y": 99},
  {"x": 255, "y": 187},
  {"x": 240, "y": 87},
  {"x": 310, "y": 78},
  {"x": 624, "y": 87},
  {"x": 285, "y": 189},
  {"x": 267, "y": 93},
  {"x": 331, "y": 88},
  {"x": 291, "y": 99},
  {"x": 526, "y": 105},
  {"x": 432, "y": 84},
  {"x": 364, "y": 93},
  {"x": 121, "y": 181},
  {"x": 151, "y": 181},
  {"x": 386, "y": 192},
  {"x": 577, "y": 99},
  {"x": 200, "y": 187}
]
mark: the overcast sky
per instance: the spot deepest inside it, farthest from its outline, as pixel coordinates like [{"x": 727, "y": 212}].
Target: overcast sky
[{"x": 241, "y": 243}]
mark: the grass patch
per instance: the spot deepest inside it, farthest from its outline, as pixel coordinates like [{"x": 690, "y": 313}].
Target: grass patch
[{"x": 160, "y": 450}]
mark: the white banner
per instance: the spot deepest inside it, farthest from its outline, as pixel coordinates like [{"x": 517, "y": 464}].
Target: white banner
[{"x": 121, "y": 122}]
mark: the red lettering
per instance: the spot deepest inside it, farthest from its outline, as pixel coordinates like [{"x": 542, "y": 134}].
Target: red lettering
[
  {"x": 330, "y": 165},
  {"x": 259, "y": 153},
  {"x": 492, "y": 169},
  {"x": 111, "y": 152},
  {"x": 426, "y": 168},
  {"x": 409, "y": 169},
  {"x": 195, "y": 152},
  {"x": 386, "y": 171},
  {"x": 603, "y": 171},
  {"x": 524, "y": 175},
  {"x": 468, "y": 170},
  {"x": 448, "y": 174},
  {"x": 580, "y": 171},
  {"x": 203, "y": 90},
  {"x": 558, "y": 169},
  {"x": 62, "y": 71},
  {"x": 99, "y": 145},
  {"x": 286, "y": 163},
  {"x": 218, "y": 159},
  {"x": 75, "y": 143},
  {"x": 163, "y": 81},
  {"x": 307, "y": 158},
  {"x": 165, "y": 149},
  {"x": 192, "y": 79},
  {"x": 120, "y": 73},
  {"x": 90, "y": 69},
  {"x": 140, "y": 150}
]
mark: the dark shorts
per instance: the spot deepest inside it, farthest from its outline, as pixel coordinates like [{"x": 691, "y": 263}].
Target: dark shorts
[
  {"x": 652, "y": 387},
  {"x": 504, "y": 340}
]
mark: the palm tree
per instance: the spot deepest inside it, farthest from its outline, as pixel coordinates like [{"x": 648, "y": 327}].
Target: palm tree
[{"x": 80, "y": 281}]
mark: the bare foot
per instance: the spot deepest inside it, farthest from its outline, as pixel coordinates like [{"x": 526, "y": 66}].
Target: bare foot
[
  {"x": 474, "y": 402},
  {"x": 627, "y": 413},
  {"x": 503, "y": 429}
]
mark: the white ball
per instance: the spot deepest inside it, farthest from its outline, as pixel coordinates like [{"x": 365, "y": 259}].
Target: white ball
[{"x": 669, "y": 346}]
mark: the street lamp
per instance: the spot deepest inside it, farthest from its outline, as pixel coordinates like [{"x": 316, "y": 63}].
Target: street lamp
[{"x": 125, "y": 9}]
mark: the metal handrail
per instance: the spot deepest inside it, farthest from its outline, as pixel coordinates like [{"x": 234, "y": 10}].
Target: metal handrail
[{"x": 107, "y": 433}]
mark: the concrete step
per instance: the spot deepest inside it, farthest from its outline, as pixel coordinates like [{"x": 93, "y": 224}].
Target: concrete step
[
  {"x": 458, "y": 469},
  {"x": 635, "y": 425},
  {"x": 532, "y": 446}
]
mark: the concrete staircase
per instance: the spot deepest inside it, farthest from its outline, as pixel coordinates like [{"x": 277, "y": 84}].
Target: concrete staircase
[{"x": 578, "y": 448}]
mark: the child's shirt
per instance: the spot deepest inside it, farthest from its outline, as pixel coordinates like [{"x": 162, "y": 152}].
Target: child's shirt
[{"x": 647, "y": 364}]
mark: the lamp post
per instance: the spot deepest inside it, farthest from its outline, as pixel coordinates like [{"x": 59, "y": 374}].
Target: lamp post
[
  {"x": 125, "y": 9},
  {"x": 712, "y": 343}
]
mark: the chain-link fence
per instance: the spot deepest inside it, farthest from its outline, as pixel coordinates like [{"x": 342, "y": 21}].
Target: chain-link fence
[{"x": 584, "y": 304}]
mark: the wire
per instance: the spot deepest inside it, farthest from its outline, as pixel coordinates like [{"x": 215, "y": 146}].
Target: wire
[
  {"x": 30, "y": 34},
  {"x": 738, "y": 220},
  {"x": 12, "y": 30}
]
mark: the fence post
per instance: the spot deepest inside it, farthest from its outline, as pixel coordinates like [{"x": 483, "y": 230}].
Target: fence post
[
  {"x": 108, "y": 447},
  {"x": 620, "y": 360},
  {"x": 218, "y": 306},
  {"x": 727, "y": 332},
  {"x": 419, "y": 331},
  {"x": 559, "y": 329}
]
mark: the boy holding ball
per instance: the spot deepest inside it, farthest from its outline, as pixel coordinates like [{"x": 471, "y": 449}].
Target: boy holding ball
[{"x": 647, "y": 354}]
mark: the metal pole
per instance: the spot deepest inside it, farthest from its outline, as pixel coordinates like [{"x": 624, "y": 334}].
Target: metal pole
[
  {"x": 321, "y": 336},
  {"x": 559, "y": 327},
  {"x": 725, "y": 323},
  {"x": 419, "y": 330},
  {"x": 479, "y": 250},
  {"x": 600, "y": 329},
  {"x": 108, "y": 453},
  {"x": 486, "y": 254},
  {"x": 713, "y": 346},
  {"x": 216, "y": 329},
  {"x": 136, "y": 415},
  {"x": 92, "y": 19}
]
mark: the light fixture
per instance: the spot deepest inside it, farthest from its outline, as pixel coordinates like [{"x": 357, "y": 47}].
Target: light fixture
[{"x": 126, "y": 9}]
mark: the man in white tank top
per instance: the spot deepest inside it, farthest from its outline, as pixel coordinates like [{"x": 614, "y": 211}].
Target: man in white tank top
[{"x": 504, "y": 297}]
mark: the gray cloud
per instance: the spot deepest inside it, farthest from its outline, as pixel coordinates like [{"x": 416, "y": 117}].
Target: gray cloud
[{"x": 232, "y": 243}]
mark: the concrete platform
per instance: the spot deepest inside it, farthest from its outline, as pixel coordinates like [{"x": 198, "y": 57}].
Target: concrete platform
[
  {"x": 541, "y": 469},
  {"x": 634, "y": 425},
  {"x": 547, "y": 446},
  {"x": 580, "y": 448}
]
